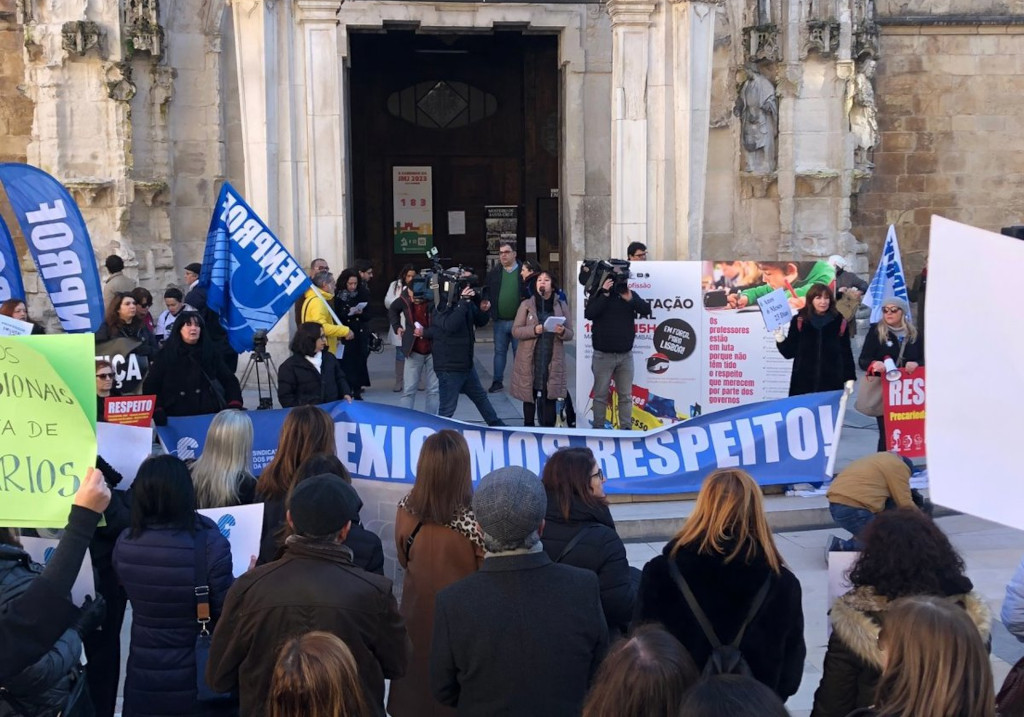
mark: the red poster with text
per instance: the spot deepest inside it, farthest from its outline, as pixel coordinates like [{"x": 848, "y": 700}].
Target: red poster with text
[
  {"x": 129, "y": 410},
  {"x": 905, "y": 414}
]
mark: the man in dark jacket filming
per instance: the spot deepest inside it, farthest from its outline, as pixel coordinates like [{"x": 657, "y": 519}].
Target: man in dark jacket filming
[
  {"x": 453, "y": 333},
  {"x": 612, "y": 311}
]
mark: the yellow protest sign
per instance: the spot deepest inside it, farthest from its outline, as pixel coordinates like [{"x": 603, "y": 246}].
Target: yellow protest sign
[{"x": 47, "y": 426}]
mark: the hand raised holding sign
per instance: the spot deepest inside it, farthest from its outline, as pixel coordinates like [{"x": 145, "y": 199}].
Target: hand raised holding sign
[{"x": 94, "y": 493}]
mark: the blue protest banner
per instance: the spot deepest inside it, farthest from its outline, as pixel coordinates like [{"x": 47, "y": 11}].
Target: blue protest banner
[
  {"x": 59, "y": 243},
  {"x": 250, "y": 278},
  {"x": 777, "y": 442},
  {"x": 889, "y": 280},
  {"x": 11, "y": 286}
]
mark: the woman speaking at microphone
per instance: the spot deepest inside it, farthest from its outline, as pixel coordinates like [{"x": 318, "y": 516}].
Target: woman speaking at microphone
[
  {"x": 893, "y": 337},
  {"x": 819, "y": 344}
]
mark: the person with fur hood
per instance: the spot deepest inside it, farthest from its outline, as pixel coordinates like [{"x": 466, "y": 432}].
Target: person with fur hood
[{"x": 905, "y": 554}]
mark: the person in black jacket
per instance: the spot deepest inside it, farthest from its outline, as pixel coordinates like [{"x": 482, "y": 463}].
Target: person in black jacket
[
  {"x": 613, "y": 315},
  {"x": 894, "y": 337},
  {"x": 34, "y": 620},
  {"x": 726, "y": 554},
  {"x": 579, "y": 531},
  {"x": 311, "y": 375},
  {"x": 189, "y": 377},
  {"x": 452, "y": 332},
  {"x": 819, "y": 344},
  {"x": 348, "y": 298}
]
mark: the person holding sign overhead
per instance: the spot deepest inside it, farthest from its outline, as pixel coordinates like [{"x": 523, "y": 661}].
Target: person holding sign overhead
[
  {"x": 542, "y": 327},
  {"x": 819, "y": 344}
]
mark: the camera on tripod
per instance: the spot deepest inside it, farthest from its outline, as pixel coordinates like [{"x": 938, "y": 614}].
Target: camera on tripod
[
  {"x": 259, "y": 345},
  {"x": 595, "y": 272}
]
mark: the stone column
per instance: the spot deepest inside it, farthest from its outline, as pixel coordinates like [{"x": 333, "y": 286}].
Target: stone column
[
  {"x": 326, "y": 152},
  {"x": 256, "y": 44},
  {"x": 631, "y": 21},
  {"x": 694, "y": 39}
]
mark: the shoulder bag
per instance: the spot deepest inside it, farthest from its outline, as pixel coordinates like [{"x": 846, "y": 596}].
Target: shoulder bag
[{"x": 204, "y": 693}]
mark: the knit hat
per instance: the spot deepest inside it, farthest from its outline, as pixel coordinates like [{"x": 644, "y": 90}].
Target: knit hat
[
  {"x": 510, "y": 504},
  {"x": 195, "y": 267},
  {"x": 837, "y": 261},
  {"x": 898, "y": 303},
  {"x": 322, "y": 505}
]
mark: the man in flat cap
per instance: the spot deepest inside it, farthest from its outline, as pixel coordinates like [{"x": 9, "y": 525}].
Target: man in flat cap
[
  {"x": 523, "y": 635},
  {"x": 314, "y": 586}
]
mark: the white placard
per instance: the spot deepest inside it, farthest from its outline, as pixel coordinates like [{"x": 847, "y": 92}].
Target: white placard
[
  {"x": 775, "y": 310},
  {"x": 456, "y": 222},
  {"x": 357, "y": 309},
  {"x": 839, "y": 564},
  {"x": 14, "y": 327},
  {"x": 40, "y": 549},
  {"x": 974, "y": 388},
  {"x": 242, "y": 525},
  {"x": 531, "y": 245},
  {"x": 124, "y": 448}
]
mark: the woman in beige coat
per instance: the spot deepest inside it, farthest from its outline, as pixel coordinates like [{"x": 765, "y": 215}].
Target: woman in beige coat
[
  {"x": 438, "y": 544},
  {"x": 538, "y": 374}
]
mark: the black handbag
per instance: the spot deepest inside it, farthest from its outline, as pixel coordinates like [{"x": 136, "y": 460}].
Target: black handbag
[
  {"x": 76, "y": 704},
  {"x": 204, "y": 693}
]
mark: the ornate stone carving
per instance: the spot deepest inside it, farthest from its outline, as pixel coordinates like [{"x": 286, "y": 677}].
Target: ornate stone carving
[
  {"x": 119, "y": 81},
  {"x": 761, "y": 44},
  {"x": 162, "y": 91},
  {"x": 814, "y": 183},
  {"x": 80, "y": 36},
  {"x": 152, "y": 192},
  {"x": 89, "y": 192},
  {"x": 758, "y": 109},
  {"x": 865, "y": 39},
  {"x": 822, "y": 37},
  {"x": 143, "y": 32},
  {"x": 863, "y": 113},
  {"x": 757, "y": 186}
]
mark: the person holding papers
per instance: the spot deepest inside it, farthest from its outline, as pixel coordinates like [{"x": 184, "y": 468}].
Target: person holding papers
[
  {"x": 316, "y": 307},
  {"x": 350, "y": 303},
  {"x": 542, "y": 326},
  {"x": 819, "y": 344}
]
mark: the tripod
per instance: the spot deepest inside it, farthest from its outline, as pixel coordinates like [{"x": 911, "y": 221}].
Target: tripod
[{"x": 257, "y": 359}]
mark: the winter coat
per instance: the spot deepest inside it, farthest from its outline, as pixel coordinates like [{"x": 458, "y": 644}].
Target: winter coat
[
  {"x": 773, "y": 644},
  {"x": 524, "y": 330},
  {"x": 41, "y": 689},
  {"x": 309, "y": 588},
  {"x": 183, "y": 381},
  {"x": 1012, "y": 613},
  {"x": 875, "y": 349},
  {"x": 614, "y": 320},
  {"x": 136, "y": 333},
  {"x": 822, "y": 358},
  {"x": 394, "y": 292},
  {"x": 313, "y": 309},
  {"x": 853, "y": 662},
  {"x": 438, "y": 557},
  {"x": 599, "y": 550},
  {"x": 453, "y": 333},
  {"x": 400, "y": 316},
  {"x": 157, "y": 569},
  {"x": 300, "y": 384}
]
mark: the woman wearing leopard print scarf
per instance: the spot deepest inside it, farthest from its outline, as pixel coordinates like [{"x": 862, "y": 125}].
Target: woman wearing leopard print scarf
[{"x": 438, "y": 544}]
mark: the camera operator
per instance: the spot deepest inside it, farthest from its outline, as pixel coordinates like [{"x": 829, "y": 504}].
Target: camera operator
[
  {"x": 612, "y": 310},
  {"x": 453, "y": 332}
]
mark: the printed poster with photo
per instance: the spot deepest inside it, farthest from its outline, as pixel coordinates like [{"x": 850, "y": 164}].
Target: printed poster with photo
[{"x": 413, "y": 209}]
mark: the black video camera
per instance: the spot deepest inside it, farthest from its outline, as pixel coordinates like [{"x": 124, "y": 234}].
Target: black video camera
[
  {"x": 595, "y": 272},
  {"x": 450, "y": 282}
]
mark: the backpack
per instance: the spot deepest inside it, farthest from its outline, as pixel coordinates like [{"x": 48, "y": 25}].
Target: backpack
[{"x": 724, "y": 659}]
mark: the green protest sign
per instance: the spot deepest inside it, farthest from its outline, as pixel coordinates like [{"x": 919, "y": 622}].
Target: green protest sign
[{"x": 47, "y": 426}]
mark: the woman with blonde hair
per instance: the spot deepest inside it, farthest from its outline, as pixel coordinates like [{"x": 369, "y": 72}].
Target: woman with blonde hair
[
  {"x": 893, "y": 337},
  {"x": 438, "y": 544},
  {"x": 936, "y": 664},
  {"x": 316, "y": 676},
  {"x": 221, "y": 474},
  {"x": 726, "y": 559},
  {"x": 307, "y": 430}
]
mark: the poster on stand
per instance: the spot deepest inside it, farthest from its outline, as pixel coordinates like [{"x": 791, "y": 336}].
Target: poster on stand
[
  {"x": 412, "y": 188},
  {"x": 500, "y": 222}
]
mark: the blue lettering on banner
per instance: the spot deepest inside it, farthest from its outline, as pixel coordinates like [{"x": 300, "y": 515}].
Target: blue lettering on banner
[
  {"x": 889, "y": 280},
  {"x": 59, "y": 243},
  {"x": 225, "y": 524},
  {"x": 777, "y": 442},
  {"x": 250, "y": 278}
]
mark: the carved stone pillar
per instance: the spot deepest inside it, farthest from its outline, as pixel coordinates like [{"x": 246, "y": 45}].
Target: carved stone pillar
[
  {"x": 631, "y": 21},
  {"x": 693, "y": 42},
  {"x": 256, "y": 52},
  {"x": 326, "y": 230}
]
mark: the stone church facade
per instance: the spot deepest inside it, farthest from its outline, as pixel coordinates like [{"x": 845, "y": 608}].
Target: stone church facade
[{"x": 715, "y": 129}]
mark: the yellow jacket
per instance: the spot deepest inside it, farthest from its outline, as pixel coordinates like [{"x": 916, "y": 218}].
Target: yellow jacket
[{"x": 314, "y": 310}]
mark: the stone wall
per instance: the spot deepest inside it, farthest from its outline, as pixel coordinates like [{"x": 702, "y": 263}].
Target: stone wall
[
  {"x": 951, "y": 117},
  {"x": 15, "y": 108}
]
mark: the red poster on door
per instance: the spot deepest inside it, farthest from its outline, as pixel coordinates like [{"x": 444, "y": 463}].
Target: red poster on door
[{"x": 905, "y": 414}]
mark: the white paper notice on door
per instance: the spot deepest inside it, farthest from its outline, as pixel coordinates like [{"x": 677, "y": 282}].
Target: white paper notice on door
[{"x": 456, "y": 222}]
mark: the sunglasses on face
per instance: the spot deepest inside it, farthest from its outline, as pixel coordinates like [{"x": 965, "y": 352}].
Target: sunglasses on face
[
  {"x": 891, "y": 310},
  {"x": 105, "y": 376}
]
